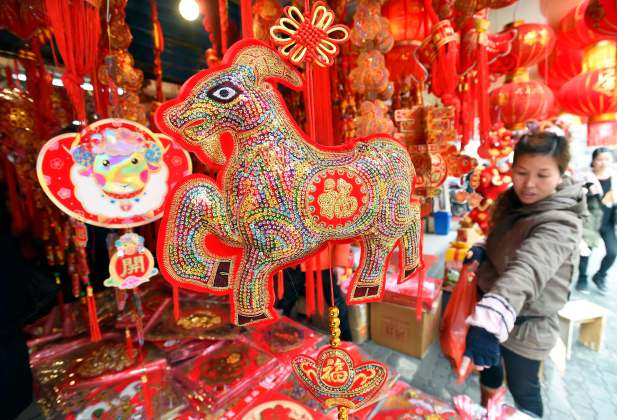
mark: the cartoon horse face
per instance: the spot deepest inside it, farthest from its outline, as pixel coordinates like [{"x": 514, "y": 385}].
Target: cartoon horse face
[{"x": 235, "y": 97}]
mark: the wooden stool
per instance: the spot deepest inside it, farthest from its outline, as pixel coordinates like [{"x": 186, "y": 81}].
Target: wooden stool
[{"x": 592, "y": 319}]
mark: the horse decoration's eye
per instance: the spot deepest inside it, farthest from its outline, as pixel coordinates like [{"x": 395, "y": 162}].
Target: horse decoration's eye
[{"x": 224, "y": 93}]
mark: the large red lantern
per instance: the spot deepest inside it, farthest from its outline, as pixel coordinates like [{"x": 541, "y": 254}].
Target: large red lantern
[
  {"x": 406, "y": 17},
  {"x": 533, "y": 43},
  {"x": 520, "y": 100},
  {"x": 562, "y": 65},
  {"x": 574, "y": 30},
  {"x": 592, "y": 93}
]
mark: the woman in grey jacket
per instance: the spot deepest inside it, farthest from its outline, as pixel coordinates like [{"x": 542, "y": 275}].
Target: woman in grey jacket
[{"x": 526, "y": 269}]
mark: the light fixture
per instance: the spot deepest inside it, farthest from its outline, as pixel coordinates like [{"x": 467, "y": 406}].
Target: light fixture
[
  {"x": 120, "y": 91},
  {"x": 189, "y": 9},
  {"x": 56, "y": 81},
  {"x": 76, "y": 122},
  {"x": 20, "y": 76},
  {"x": 87, "y": 86}
]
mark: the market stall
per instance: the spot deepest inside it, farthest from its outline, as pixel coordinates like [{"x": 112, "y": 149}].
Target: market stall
[{"x": 169, "y": 216}]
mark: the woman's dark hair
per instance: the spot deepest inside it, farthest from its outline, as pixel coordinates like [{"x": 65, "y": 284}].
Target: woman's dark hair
[
  {"x": 597, "y": 152},
  {"x": 545, "y": 144}
]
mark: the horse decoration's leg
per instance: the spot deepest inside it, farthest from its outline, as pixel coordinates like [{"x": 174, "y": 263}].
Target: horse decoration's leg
[
  {"x": 409, "y": 246},
  {"x": 196, "y": 209},
  {"x": 252, "y": 297},
  {"x": 395, "y": 218}
]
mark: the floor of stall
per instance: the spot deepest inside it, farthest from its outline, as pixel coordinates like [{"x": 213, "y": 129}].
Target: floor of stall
[{"x": 586, "y": 390}]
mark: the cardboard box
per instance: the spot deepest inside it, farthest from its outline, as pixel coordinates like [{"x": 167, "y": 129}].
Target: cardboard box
[{"x": 396, "y": 327}]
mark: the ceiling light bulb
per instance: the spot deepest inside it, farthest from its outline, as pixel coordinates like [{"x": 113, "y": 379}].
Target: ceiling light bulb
[{"x": 189, "y": 9}]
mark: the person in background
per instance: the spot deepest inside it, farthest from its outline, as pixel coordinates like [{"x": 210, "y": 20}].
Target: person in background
[
  {"x": 525, "y": 271},
  {"x": 602, "y": 184},
  {"x": 339, "y": 258}
]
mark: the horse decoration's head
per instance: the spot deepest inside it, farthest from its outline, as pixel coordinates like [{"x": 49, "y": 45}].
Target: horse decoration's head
[{"x": 236, "y": 97}]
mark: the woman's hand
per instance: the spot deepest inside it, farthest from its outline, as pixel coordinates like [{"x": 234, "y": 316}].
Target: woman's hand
[{"x": 481, "y": 348}]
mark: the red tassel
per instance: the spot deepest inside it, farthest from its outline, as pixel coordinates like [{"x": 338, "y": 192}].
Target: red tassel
[
  {"x": 483, "y": 87},
  {"x": 147, "y": 391},
  {"x": 176, "y": 298},
  {"x": 95, "y": 330},
  {"x": 320, "y": 296},
  {"x": 310, "y": 287},
  {"x": 280, "y": 289},
  {"x": 8, "y": 74},
  {"x": 246, "y": 16},
  {"x": 129, "y": 344},
  {"x": 421, "y": 275},
  {"x": 60, "y": 295}
]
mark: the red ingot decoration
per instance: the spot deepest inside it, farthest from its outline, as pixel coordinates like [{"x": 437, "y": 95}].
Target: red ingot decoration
[
  {"x": 406, "y": 19},
  {"x": 532, "y": 43},
  {"x": 601, "y": 16},
  {"x": 520, "y": 100},
  {"x": 335, "y": 380},
  {"x": 575, "y": 31},
  {"x": 562, "y": 65}
]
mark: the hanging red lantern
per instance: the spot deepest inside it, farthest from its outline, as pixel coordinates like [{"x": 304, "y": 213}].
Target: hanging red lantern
[
  {"x": 532, "y": 43},
  {"x": 601, "y": 16},
  {"x": 520, "y": 100},
  {"x": 562, "y": 65},
  {"x": 406, "y": 19},
  {"x": 592, "y": 93},
  {"x": 574, "y": 30}
]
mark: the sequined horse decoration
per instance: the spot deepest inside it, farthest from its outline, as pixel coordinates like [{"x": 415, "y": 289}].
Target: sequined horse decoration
[{"x": 279, "y": 197}]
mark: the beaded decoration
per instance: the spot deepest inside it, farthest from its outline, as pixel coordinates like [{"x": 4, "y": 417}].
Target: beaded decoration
[
  {"x": 333, "y": 378},
  {"x": 280, "y": 197}
]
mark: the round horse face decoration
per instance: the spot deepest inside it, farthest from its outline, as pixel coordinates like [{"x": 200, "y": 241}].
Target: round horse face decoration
[{"x": 114, "y": 173}]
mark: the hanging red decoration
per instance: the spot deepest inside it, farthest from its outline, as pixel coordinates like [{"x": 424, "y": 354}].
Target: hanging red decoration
[
  {"x": 159, "y": 47},
  {"x": 406, "y": 18},
  {"x": 575, "y": 31},
  {"x": 592, "y": 93},
  {"x": 562, "y": 65},
  {"x": 23, "y": 17},
  {"x": 479, "y": 49},
  {"x": 439, "y": 53},
  {"x": 601, "y": 16},
  {"x": 461, "y": 10},
  {"x": 76, "y": 27},
  {"x": 309, "y": 37},
  {"x": 520, "y": 100},
  {"x": 532, "y": 43}
]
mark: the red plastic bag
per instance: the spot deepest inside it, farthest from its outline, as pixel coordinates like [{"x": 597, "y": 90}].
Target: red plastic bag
[{"x": 453, "y": 326}]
